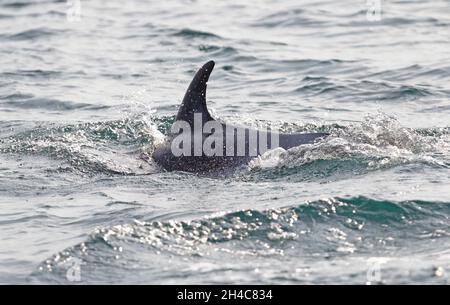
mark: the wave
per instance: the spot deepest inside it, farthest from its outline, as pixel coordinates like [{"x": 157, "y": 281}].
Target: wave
[
  {"x": 32, "y": 34},
  {"x": 32, "y": 73},
  {"x": 24, "y": 4},
  {"x": 110, "y": 147},
  {"x": 290, "y": 18},
  {"x": 17, "y": 101},
  {"x": 216, "y": 51},
  {"x": 380, "y": 142},
  {"x": 335, "y": 226},
  {"x": 189, "y": 33},
  {"x": 367, "y": 90}
]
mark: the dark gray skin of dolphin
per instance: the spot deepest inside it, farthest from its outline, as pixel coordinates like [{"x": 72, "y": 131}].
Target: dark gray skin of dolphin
[{"x": 194, "y": 102}]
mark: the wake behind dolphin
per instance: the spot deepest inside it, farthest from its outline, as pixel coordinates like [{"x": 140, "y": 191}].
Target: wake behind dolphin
[{"x": 199, "y": 144}]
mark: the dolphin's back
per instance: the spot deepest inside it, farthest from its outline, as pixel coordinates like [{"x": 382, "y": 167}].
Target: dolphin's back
[
  {"x": 242, "y": 144},
  {"x": 296, "y": 139}
]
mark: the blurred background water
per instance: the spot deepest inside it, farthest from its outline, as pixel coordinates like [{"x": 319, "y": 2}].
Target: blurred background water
[{"x": 87, "y": 87}]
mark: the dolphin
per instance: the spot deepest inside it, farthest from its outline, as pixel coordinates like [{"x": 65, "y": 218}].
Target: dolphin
[{"x": 198, "y": 143}]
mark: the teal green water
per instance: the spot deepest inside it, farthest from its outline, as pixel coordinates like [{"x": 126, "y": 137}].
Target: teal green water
[{"x": 83, "y": 103}]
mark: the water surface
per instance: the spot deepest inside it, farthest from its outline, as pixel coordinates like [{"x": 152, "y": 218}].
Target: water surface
[{"x": 81, "y": 101}]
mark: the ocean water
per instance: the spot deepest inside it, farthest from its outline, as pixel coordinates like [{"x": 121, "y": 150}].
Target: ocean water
[{"x": 87, "y": 88}]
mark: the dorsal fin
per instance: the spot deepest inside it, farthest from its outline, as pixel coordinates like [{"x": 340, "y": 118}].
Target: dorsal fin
[{"x": 195, "y": 99}]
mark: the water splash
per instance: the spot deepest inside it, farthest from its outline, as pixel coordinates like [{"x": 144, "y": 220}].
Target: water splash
[
  {"x": 378, "y": 142},
  {"x": 109, "y": 147}
]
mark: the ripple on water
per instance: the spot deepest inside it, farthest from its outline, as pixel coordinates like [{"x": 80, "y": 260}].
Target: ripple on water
[{"x": 343, "y": 225}]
